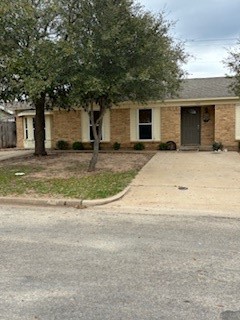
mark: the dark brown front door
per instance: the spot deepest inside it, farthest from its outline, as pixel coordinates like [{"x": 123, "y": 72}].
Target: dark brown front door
[{"x": 190, "y": 125}]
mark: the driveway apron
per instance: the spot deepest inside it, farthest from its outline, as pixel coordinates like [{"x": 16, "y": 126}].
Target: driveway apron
[{"x": 188, "y": 180}]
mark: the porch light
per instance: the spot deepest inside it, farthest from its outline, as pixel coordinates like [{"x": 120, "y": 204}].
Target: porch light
[{"x": 206, "y": 115}]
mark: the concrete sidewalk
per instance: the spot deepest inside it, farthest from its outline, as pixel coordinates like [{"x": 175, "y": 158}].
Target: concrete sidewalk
[{"x": 187, "y": 181}]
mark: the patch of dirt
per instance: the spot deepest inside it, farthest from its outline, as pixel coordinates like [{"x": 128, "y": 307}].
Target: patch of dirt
[{"x": 67, "y": 164}]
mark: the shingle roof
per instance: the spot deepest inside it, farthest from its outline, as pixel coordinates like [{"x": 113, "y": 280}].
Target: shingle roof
[
  {"x": 201, "y": 88},
  {"x": 18, "y": 106}
]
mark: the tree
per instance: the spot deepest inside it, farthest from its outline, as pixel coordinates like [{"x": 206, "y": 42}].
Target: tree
[
  {"x": 33, "y": 60},
  {"x": 85, "y": 52},
  {"x": 122, "y": 53},
  {"x": 233, "y": 63}
]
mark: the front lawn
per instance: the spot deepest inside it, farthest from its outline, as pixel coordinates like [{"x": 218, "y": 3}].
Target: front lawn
[{"x": 65, "y": 175}]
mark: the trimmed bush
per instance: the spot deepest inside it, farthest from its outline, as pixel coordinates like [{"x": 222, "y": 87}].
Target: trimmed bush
[
  {"x": 116, "y": 146},
  {"x": 217, "y": 146},
  {"x": 62, "y": 145},
  {"x": 77, "y": 145},
  {"x": 163, "y": 146},
  {"x": 139, "y": 146}
]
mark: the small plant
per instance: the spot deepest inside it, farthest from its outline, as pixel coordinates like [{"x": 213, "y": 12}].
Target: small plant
[
  {"x": 139, "y": 146},
  {"x": 77, "y": 145},
  {"x": 163, "y": 146},
  {"x": 116, "y": 146},
  {"x": 62, "y": 145},
  {"x": 217, "y": 146}
]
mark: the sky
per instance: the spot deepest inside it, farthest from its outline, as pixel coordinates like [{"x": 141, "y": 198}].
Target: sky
[{"x": 208, "y": 28}]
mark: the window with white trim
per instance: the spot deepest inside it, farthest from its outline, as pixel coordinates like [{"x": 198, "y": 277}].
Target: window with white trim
[
  {"x": 145, "y": 124},
  {"x": 96, "y": 115},
  {"x": 26, "y": 128},
  {"x": 29, "y": 128}
]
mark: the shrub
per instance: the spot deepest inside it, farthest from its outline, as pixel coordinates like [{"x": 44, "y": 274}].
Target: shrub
[
  {"x": 217, "y": 146},
  {"x": 62, "y": 145},
  {"x": 139, "y": 146},
  {"x": 116, "y": 146},
  {"x": 163, "y": 146},
  {"x": 170, "y": 145},
  {"x": 77, "y": 145}
]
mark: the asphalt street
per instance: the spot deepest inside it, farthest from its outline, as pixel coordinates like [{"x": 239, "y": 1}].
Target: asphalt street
[{"x": 66, "y": 263}]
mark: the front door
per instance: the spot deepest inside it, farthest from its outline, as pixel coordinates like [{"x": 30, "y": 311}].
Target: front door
[{"x": 190, "y": 125}]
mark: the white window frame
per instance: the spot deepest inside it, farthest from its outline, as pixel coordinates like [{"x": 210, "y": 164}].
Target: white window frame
[
  {"x": 89, "y": 128},
  {"x": 25, "y": 128},
  {"x": 85, "y": 126},
  {"x": 148, "y": 123}
]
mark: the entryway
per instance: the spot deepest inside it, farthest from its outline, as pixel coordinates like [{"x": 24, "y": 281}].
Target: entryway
[{"x": 190, "y": 126}]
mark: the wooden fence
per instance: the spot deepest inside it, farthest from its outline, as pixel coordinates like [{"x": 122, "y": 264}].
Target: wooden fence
[{"x": 7, "y": 134}]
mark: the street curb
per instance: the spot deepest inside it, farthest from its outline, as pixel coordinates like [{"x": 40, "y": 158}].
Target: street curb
[
  {"x": 98, "y": 202},
  {"x": 62, "y": 202}
]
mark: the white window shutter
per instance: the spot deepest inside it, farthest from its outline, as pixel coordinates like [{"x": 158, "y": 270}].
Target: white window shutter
[
  {"x": 85, "y": 126},
  {"x": 237, "y": 122},
  {"x": 156, "y": 115},
  {"x": 106, "y": 126},
  {"x": 133, "y": 125}
]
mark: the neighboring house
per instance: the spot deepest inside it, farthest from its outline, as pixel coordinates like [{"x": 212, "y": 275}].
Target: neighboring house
[
  {"x": 6, "y": 114},
  {"x": 204, "y": 111}
]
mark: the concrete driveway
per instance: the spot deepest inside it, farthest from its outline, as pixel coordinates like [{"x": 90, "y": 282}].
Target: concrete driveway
[
  {"x": 188, "y": 180},
  {"x": 13, "y": 153}
]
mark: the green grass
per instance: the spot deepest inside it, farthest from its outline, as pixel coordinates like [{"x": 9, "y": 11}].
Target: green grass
[{"x": 98, "y": 185}]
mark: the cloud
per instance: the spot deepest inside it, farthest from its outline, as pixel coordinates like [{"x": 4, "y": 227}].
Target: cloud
[
  {"x": 208, "y": 27},
  {"x": 200, "y": 19}
]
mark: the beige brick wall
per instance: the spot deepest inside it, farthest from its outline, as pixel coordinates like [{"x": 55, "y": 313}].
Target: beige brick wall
[
  {"x": 225, "y": 126},
  {"x": 207, "y": 128},
  {"x": 170, "y": 124},
  {"x": 20, "y": 132},
  {"x": 120, "y": 126},
  {"x": 66, "y": 126}
]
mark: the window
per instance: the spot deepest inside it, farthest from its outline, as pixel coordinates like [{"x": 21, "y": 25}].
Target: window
[
  {"x": 96, "y": 115},
  {"x": 33, "y": 122},
  {"x": 145, "y": 124},
  {"x": 26, "y": 128}
]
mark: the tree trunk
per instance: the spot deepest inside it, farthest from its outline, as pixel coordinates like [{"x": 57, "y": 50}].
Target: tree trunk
[
  {"x": 93, "y": 161},
  {"x": 39, "y": 133},
  {"x": 97, "y": 134}
]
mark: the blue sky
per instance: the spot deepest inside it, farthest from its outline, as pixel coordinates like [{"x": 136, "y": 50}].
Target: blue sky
[{"x": 209, "y": 28}]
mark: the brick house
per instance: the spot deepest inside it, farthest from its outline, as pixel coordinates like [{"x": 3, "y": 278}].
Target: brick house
[{"x": 204, "y": 111}]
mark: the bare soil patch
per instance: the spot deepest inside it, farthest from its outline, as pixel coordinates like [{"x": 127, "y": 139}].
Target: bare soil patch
[{"x": 67, "y": 164}]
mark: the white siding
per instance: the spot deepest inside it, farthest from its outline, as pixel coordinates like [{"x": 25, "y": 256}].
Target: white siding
[{"x": 237, "y": 123}]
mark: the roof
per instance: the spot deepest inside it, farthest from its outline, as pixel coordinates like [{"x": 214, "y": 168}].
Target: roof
[
  {"x": 190, "y": 89},
  {"x": 18, "y": 106},
  {"x": 5, "y": 110},
  {"x": 203, "y": 88}
]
